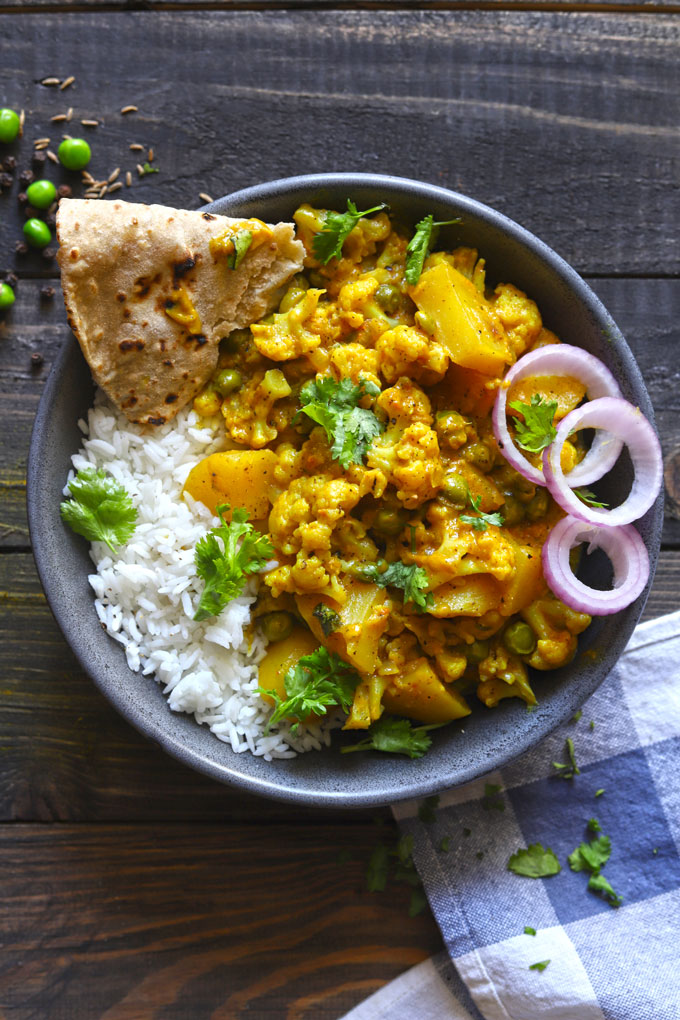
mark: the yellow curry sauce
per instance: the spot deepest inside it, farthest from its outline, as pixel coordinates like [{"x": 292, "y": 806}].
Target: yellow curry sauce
[{"x": 431, "y": 491}]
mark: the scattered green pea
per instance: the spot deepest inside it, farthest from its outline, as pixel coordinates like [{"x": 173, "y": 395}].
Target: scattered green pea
[
  {"x": 519, "y": 638},
  {"x": 6, "y": 295},
  {"x": 74, "y": 153},
  {"x": 455, "y": 489},
  {"x": 41, "y": 194},
  {"x": 228, "y": 380},
  {"x": 388, "y": 297},
  {"x": 477, "y": 651},
  {"x": 276, "y": 626},
  {"x": 9, "y": 125},
  {"x": 37, "y": 233}
]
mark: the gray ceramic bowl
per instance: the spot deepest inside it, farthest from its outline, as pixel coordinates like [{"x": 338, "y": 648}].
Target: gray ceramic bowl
[{"x": 460, "y": 752}]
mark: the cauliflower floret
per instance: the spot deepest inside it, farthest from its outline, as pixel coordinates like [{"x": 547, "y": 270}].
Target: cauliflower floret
[
  {"x": 250, "y": 415},
  {"x": 503, "y": 675},
  {"x": 286, "y": 336},
  {"x": 556, "y": 627},
  {"x": 406, "y": 351},
  {"x": 405, "y": 401},
  {"x": 409, "y": 460},
  {"x": 451, "y": 548},
  {"x": 519, "y": 315},
  {"x": 355, "y": 362}
]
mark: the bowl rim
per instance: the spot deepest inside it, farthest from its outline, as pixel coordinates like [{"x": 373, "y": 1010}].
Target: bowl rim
[{"x": 275, "y": 788}]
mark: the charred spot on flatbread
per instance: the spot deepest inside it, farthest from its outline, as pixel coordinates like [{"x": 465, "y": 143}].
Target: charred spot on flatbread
[{"x": 128, "y": 262}]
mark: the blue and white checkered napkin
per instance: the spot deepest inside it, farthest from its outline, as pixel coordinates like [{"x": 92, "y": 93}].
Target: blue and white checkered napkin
[{"x": 613, "y": 963}]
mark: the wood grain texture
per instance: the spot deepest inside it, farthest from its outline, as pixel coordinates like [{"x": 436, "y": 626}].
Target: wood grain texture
[
  {"x": 144, "y": 922},
  {"x": 567, "y": 122},
  {"x": 67, "y": 755},
  {"x": 326, "y": 6}
]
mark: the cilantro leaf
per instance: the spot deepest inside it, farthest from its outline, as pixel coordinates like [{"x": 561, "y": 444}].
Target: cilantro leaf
[
  {"x": 394, "y": 736},
  {"x": 411, "y": 579},
  {"x": 242, "y": 241},
  {"x": 327, "y": 617},
  {"x": 225, "y": 557},
  {"x": 350, "y": 429},
  {"x": 491, "y": 797},
  {"x": 100, "y": 509},
  {"x": 537, "y": 430},
  {"x": 480, "y": 521},
  {"x": 418, "y": 902},
  {"x": 377, "y": 874},
  {"x": 594, "y": 825},
  {"x": 337, "y": 227},
  {"x": 445, "y": 844},
  {"x": 591, "y": 856},
  {"x": 318, "y": 681},
  {"x": 148, "y": 169},
  {"x": 535, "y": 862},
  {"x": 419, "y": 245},
  {"x": 586, "y": 496},
  {"x": 567, "y": 770},
  {"x": 541, "y": 965},
  {"x": 598, "y": 883},
  {"x": 427, "y": 809},
  {"x": 528, "y": 930}
]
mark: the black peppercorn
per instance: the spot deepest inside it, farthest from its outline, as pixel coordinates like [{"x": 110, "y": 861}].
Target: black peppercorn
[
  {"x": 48, "y": 254},
  {"x": 6, "y": 181},
  {"x": 22, "y": 198},
  {"x": 21, "y": 248},
  {"x": 9, "y": 164},
  {"x": 47, "y": 293},
  {"x": 39, "y": 160},
  {"x": 26, "y": 177},
  {"x": 11, "y": 280},
  {"x": 64, "y": 191}
]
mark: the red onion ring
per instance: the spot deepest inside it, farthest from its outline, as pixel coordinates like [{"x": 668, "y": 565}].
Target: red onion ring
[
  {"x": 629, "y": 424},
  {"x": 623, "y": 546},
  {"x": 560, "y": 359}
]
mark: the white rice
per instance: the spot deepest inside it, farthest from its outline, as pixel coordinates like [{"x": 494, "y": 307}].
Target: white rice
[{"x": 146, "y": 593}]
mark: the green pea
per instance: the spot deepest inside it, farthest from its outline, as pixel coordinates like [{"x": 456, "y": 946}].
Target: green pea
[
  {"x": 513, "y": 511},
  {"x": 477, "y": 651},
  {"x": 10, "y": 125},
  {"x": 74, "y": 153},
  {"x": 480, "y": 455},
  {"x": 426, "y": 322},
  {"x": 538, "y": 506},
  {"x": 519, "y": 638},
  {"x": 228, "y": 380},
  {"x": 6, "y": 295},
  {"x": 41, "y": 194},
  {"x": 455, "y": 489},
  {"x": 276, "y": 626},
  {"x": 388, "y": 297},
  {"x": 389, "y": 522},
  {"x": 37, "y": 233},
  {"x": 451, "y": 430}
]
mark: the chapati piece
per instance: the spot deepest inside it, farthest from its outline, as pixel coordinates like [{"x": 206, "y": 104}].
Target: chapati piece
[{"x": 150, "y": 292}]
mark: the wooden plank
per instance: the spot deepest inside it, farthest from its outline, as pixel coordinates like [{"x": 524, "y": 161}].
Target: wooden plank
[
  {"x": 567, "y": 122},
  {"x": 222, "y": 921},
  {"x": 326, "y": 6},
  {"x": 68, "y": 756}
]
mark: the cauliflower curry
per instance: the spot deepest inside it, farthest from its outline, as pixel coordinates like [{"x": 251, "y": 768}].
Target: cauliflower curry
[{"x": 359, "y": 436}]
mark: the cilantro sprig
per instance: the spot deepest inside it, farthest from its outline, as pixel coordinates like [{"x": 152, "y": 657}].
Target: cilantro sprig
[
  {"x": 241, "y": 241},
  {"x": 419, "y": 245},
  {"x": 100, "y": 509},
  {"x": 537, "y": 430},
  {"x": 568, "y": 769},
  {"x": 480, "y": 521},
  {"x": 328, "y": 243},
  {"x": 395, "y": 736},
  {"x": 225, "y": 557},
  {"x": 350, "y": 429},
  {"x": 592, "y": 857},
  {"x": 411, "y": 579},
  {"x": 589, "y": 498},
  {"x": 317, "y": 682},
  {"x": 535, "y": 861}
]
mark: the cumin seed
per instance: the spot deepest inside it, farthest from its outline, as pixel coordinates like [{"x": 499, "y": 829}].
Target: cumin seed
[
  {"x": 128, "y": 179},
  {"x": 206, "y": 198},
  {"x": 50, "y": 155},
  {"x": 135, "y": 147},
  {"x": 150, "y": 156},
  {"x": 90, "y": 123},
  {"x": 113, "y": 175},
  {"x": 58, "y": 117},
  {"x": 66, "y": 82},
  {"x": 22, "y": 121},
  {"x": 87, "y": 177},
  {"x": 129, "y": 109},
  {"x": 50, "y": 81},
  {"x": 140, "y": 169},
  {"x": 69, "y": 113},
  {"x": 115, "y": 187}
]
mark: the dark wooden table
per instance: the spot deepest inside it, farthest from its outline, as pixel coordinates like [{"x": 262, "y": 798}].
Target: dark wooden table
[{"x": 132, "y": 887}]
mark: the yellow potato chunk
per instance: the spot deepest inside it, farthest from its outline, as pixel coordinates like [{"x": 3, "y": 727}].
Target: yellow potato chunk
[
  {"x": 567, "y": 391},
  {"x": 461, "y": 320},
  {"x": 281, "y": 656},
  {"x": 362, "y": 621},
  {"x": 419, "y": 694},
  {"x": 474, "y": 595},
  {"x": 526, "y": 583},
  {"x": 240, "y": 478}
]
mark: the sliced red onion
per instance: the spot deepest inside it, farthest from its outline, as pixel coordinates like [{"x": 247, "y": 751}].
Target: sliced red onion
[
  {"x": 628, "y": 423},
  {"x": 623, "y": 546},
  {"x": 560, "y": 359}
]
